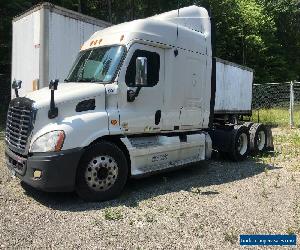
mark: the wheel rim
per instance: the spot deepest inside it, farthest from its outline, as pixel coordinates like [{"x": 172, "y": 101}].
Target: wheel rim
[
  {"x": 101, "y": 173},
  {"x": 261, "y": 140},
  {"x": 242, "y": 144}
]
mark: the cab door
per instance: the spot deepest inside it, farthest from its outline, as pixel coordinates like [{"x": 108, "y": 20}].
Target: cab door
[
  {"x": 142, "y": 114},
  {"x": 196, "y": 94}
]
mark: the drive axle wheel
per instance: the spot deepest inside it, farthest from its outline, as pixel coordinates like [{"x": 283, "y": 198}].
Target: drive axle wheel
[
  {"x": 258, "y": 138},
  {"x": 240, "y": 143},
  {"x": 248, "y": 124},
  {"x": 102, "y": 173}
]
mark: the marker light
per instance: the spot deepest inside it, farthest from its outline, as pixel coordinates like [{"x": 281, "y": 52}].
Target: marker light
[{"x": 114, "y": 122}]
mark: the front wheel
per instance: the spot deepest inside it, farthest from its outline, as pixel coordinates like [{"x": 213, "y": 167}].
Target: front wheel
[{"x": 102, "y": 173}]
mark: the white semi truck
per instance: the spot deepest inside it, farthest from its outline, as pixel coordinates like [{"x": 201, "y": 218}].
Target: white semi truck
[{"x": 142, "y": 97}]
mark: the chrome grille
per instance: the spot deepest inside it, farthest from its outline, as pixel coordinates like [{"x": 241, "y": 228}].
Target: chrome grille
[{"x": 19, "y": 124}]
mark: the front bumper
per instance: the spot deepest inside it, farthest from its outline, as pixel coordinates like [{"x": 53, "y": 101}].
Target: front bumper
[{"x": 58, "y": 169}]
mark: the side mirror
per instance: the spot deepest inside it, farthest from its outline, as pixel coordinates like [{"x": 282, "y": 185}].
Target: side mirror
[
  {"x": 141, "y": 71},
  {"x": 16, "y": 85},
  {"x": 53, "y": 84}
]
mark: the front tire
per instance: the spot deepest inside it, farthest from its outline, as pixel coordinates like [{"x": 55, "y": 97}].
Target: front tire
[{"x": 102, "y": 172}]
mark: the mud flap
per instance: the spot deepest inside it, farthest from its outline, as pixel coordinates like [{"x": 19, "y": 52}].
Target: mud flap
[{"x": 270, "y": 144}]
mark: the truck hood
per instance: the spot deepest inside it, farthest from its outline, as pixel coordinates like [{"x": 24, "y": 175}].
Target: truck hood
[{"x": 66, "y": 92}]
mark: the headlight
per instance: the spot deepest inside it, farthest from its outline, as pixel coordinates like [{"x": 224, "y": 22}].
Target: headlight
[{"x": 49, "y": 142}]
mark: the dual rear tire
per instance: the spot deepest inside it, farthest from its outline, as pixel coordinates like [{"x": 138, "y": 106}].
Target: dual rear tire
[
  {"x": 240, "y": 143},
  {"x": 258, "y": 138},
  {"x": 249, "y": 138}
]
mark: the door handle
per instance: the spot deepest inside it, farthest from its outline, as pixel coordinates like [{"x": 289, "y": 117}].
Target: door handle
[{"x": 157, "y": 117}]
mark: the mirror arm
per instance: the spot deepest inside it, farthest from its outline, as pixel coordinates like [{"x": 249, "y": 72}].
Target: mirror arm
[
  {"x": 131, "y": 94},
  {"x": 53, "y": 111},
  {"x": 16, "y": 93}
]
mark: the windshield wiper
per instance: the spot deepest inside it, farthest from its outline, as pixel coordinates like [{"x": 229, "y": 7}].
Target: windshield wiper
[{"x": 87, "y": 80}]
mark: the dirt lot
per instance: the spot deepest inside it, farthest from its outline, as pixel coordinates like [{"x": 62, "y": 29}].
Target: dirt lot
[{"x": 206, "y": 206}]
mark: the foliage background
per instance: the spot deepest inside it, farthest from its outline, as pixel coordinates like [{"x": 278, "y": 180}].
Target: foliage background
[{"x": 262, "y": 34}]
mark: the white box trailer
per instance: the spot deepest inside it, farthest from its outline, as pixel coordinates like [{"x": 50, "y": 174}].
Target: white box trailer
[
  {"x": 46, "y": 40},
  {"x": 233, "y": 88}
]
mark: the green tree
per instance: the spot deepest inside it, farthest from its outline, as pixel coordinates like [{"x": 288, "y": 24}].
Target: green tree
[
  {"x": 245, "y": 34},
  {"x": 286, "y": 14}
]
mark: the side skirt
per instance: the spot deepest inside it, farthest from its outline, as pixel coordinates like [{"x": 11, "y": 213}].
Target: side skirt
[{"x": 149, "y": 155}]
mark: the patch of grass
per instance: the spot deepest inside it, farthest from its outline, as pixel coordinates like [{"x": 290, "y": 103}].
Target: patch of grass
[
  {"x": 276, "y": 116},
  {"x": 195, "y": 190},
  {"x": 277, "y": 181},
  {"x": 98, "y": 222},
  {"x": 231, "y": 237},
  {"x": 266, "y": 170},
  {"x": 113, "y": 214},
  {"x": 290, "y": 137},
  {"x": 288, "y": 143},
  {"x": 297, "y": 217},
  {"x": 162, "y": 209},
  {"x": 287, "y": 149},
  {"x": 293, "y": 178},
  {"x": 150, "y": 218},
  {"x": 2, "y": 121},
  {"x": 290, "y": 231},
  {"x": 264, "y": 193}
]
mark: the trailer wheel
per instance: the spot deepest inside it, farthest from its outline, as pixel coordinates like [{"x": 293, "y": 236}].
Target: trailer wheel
[
  {"x": 258, "y": 138},
  {"x": 240, "y": 143},
  {"x": 102, "y": 173}
]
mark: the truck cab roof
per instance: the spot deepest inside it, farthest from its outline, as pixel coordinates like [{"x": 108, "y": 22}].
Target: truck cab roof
[{"x": 186, "y": 28}]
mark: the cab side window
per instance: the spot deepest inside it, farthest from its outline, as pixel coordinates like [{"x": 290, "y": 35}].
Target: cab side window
[{"x": 153, "y": 61}]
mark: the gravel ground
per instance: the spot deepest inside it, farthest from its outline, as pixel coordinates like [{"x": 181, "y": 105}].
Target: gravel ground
[{"x": 206, "y": 206}]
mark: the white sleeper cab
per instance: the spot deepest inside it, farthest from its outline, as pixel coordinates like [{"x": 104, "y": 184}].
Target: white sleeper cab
[{"x": 142, "y": 97}]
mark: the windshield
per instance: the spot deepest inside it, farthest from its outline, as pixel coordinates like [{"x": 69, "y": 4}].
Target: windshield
[{"x": 96, "y": 65}]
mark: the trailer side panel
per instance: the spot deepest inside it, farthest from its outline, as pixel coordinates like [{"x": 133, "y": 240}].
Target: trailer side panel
[
  {"x": 233, "y": 88},
  {"x": 26, "y": 51}
]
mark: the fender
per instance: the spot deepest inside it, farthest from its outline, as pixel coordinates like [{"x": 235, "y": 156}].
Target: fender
[{"x": 80, "y": 130}]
